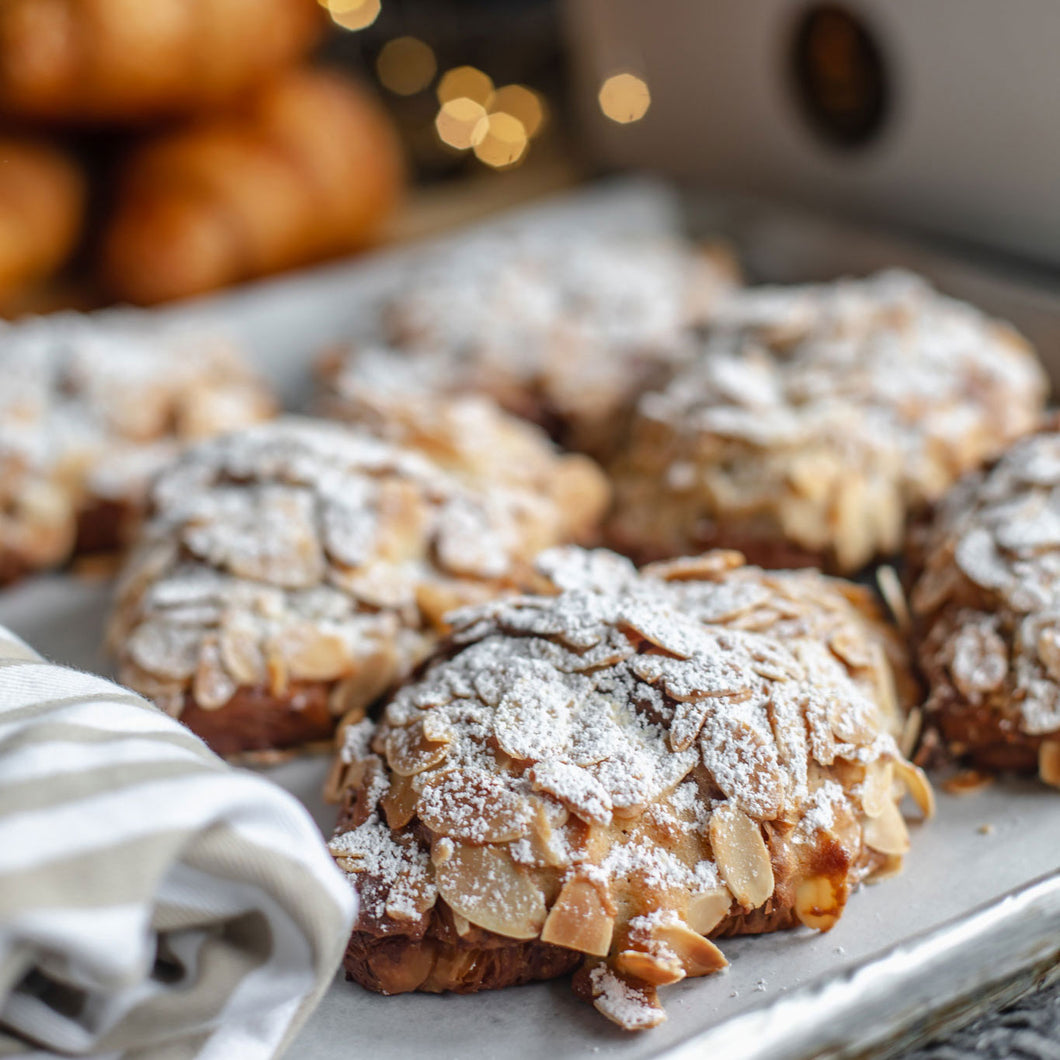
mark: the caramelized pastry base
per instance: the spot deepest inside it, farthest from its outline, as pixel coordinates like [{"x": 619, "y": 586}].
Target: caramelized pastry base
[
  {"x": 105, "y": 526},
  {"x": 770, "y": 552},
  {"x": 398, "y": 964},
  {"x": 984, "y": 737},
  {"x": 255, "y": 719}
]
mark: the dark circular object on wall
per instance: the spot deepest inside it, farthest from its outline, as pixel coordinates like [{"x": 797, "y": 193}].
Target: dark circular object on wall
[{"x": 839, "y": 75}]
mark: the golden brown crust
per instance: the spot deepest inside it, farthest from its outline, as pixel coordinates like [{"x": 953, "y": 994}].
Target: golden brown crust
[{"x": 391, "y": 957}]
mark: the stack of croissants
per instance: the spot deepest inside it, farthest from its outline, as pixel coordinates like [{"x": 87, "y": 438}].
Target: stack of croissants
[{"x": 226, "y": 157}]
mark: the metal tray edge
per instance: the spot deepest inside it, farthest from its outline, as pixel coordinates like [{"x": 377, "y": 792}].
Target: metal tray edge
[{"x": 912, "y": 990}]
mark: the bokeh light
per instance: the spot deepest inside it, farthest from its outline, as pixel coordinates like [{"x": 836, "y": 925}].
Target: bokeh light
[
  {"x": 465, "y": 82},
  {"x": 352, "y": 14},
  {"x": 496, "y": 123},
  {"x": 460, "y": 121},
  {"x": 624, "y": 98},
  {"x": 406, "y": 66},
  {"x": 500, "y": 140},
  {"x": 522, "y": 103}
]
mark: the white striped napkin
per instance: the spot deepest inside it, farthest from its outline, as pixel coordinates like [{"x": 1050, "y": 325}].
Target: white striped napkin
[{"x": 154, "y": 902}]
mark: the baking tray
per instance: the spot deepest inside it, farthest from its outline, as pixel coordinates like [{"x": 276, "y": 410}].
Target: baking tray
[{"x": 973, "y": 920}]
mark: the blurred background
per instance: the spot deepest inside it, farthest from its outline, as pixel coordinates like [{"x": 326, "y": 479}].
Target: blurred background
[{"x": 154, "y": 151}]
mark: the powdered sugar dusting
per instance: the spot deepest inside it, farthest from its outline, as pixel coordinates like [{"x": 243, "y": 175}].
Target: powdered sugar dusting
[
  {"x": 822, "y": 415},
  {"x": 567, "y": 330},
  {"x": 989, "y": 592},
  {"x": 318, "y": 553},
  {"x": 91, "y": 407},
  {"x": 612, "y": 773}
]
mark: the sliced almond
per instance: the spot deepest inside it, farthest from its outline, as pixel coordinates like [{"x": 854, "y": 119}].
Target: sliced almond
[
  {"x": 212, "y": 686},
  {"x": 688, "y": 720},
  {"x": 437, "y": 727},
  {"x": 408, "y": 751},
  {"x": 978, "y": 659},
  {"x": 886, "y": 833},
  {"x": 1049, "y": 762},
  {"x": 911, "y": 732},
  {"x": 474, "y": 806},
  {"x": 741, "y": 855},
  {"x": 657, "y": 969},
  {"x": 403, "y": 518},
  {"x": 163, "y": 649},
  {"x": 365, "y": 683},
  {"x": 1049, "y": 651},
  {"x": 411, "y": 899},
  {"x": 579, "y": 919},
  {"x": 697, "y": 955},
  {"x": 576, "y": 788},
  {"x": 545, "y": 840},
  {"x": 706, "y": 567},
  {"x": 819, "y": 902},
  {"x": 876, "y": 787},
  {"x": 852, "y": 647},
  {"x": 482, "y": 884},
  {"x": 759, "y": 784},
  {"x": 918, "y": 785},
  {"x": 854, "y": 524},
  {"x": 708, "y": 909},
  {"x": 337, "y": 780},
  {"x": 435, "y": 599},
  {"x": 890, "y": 867},
  {"x": 310, "y": 653},
  {"x": 294, "y": 558},
  {"x": 631, "y": 1004},
  {"x": 242, "y": 655},
  {"x": 276, "y": 675},
  {"x": 890, "y": 587},
  {"x": 667, "y": 630},
  {"x": 851, "y": 724},
  {"x": 887, "y": 693},
  {"x": 399, "y": 802},
  {"x": 532, "y": 719}
]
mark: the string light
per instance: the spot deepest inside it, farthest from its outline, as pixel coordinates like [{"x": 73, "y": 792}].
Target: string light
[
  {"x": 624, "y": 98},
  {"x": 352, "y": 14},
  {"x": 460, "y": 122},
  {"x": 465, "y": 82},
  {"x": 522, "y": 103},
  {"x": 406, "y": 65},
  {"x": 500, "y": 140}
]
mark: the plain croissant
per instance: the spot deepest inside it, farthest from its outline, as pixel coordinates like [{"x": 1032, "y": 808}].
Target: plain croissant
[
  {"x": 117, "y": 61},
  {"x": 42, "y": 199},
  {"x": 310, "y": 168}
]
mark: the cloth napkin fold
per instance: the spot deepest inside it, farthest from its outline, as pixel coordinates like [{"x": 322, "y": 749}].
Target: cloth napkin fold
[{"x": 154, "y": 902}]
